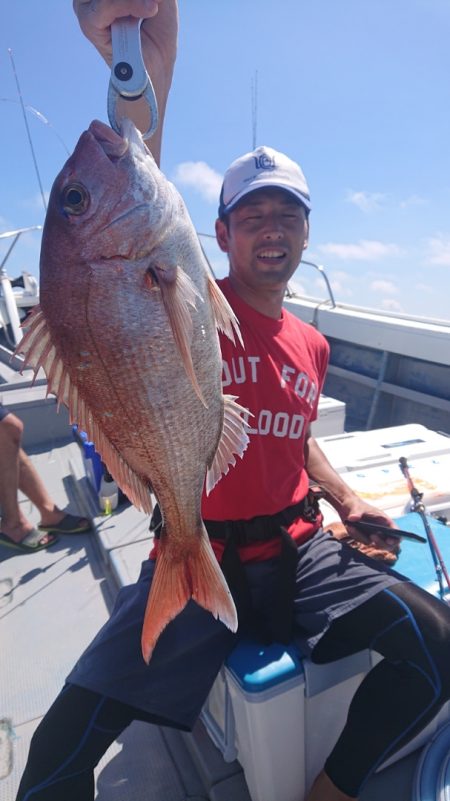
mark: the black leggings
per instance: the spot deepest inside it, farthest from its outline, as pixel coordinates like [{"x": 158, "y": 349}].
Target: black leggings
[
  {"x": 69, "y": 742},
  {"x": 403, "y": 692},
  {"x": 409, "y": 627}
]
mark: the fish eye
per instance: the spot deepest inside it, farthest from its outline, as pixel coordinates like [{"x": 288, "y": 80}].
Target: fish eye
[{"x": 75, "y": 199}]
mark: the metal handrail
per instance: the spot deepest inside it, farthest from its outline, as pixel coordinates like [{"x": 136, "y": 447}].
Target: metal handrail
[
  {"x": 8, "y": 300},
  {"x": 321, "y": 269},
  {"x": 16, "y": 235}
]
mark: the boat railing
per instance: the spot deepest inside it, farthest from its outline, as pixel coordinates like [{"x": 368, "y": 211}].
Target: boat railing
[
  {"x": 330, "y": 301},
  {"x": 321, "y": 269},
  {"x": 8, "y": 306}
]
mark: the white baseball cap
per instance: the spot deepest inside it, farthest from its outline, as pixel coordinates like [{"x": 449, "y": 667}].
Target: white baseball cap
[{"x": 264, "y": 167}]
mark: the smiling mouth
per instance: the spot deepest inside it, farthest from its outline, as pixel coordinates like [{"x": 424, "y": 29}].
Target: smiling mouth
[{"x": 272, "y": 254}]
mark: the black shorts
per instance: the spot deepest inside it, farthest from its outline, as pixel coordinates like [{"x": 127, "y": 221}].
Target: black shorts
[{"x": 332, "y": 579}]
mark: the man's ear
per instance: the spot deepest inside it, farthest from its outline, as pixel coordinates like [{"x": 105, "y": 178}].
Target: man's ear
[
  {"x": 306, "y": 243},
  {"x": 222, "y": 235}
]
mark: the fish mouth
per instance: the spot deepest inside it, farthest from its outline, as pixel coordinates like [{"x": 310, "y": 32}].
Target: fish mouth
[{"x": 113, "y": 144}]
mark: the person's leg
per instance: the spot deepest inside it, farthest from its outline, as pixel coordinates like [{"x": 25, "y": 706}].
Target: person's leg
[
  {"x": 14, "y": 525},
  {"x": 69, "y": 742},
  {"x": 31, "y": 485},
  {"x": 404, "y": 691},
  {"x": 52, "y": 518},
  {"x": 170, "y": 691},
  {"x": 10, "y": 438}
]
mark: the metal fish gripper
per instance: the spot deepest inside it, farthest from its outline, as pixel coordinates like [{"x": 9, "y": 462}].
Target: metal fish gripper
[{"x": 129, "y": 78}]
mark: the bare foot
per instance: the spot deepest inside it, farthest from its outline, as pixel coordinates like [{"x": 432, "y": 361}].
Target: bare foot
[
  {"x": 17, "y": 531},
  {"x": 323, "y": 789}
]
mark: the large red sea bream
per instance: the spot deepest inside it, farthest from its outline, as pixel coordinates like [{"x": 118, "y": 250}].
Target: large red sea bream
[{"x": 126, "y": 332}]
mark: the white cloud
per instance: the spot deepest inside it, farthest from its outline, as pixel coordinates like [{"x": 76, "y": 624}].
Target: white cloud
[
  {"x": 371, "y": 201},
  {"x": 439, "y": 250},
  {"x": 389, "y": 304},
  {"x": 340, "y": 289},
  {"x": 297, "y": 286},
  {"x": 364, "y": 250},
  {"x": 200, "y": 176},
  {"x": 425, "y": 288},
  {"x": 386, "y": 287},
  {"x": 366, "y": 201},
  {"x": 340, "y": 283},
  {"x": 341, "y": 275},
  {"x": 413, "y": 200}
]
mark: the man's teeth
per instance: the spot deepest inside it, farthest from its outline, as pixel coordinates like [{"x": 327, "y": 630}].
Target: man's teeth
[{"x": 271, "y": 254}]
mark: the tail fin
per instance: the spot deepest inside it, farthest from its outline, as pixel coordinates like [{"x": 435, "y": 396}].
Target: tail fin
[{"x": 197, "y": 576}]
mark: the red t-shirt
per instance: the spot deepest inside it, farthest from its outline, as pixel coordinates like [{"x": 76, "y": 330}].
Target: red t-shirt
[{"x": 278, "y": 376}]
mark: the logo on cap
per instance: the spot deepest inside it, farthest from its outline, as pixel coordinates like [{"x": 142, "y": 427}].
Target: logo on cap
[{"x": 264, "y": 162}]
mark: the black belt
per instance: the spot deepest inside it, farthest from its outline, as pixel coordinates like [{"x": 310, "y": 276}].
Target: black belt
[{"x": 261, "y": 528}]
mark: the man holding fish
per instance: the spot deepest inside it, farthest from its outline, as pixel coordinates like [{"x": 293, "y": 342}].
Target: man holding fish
[{"x": 288, "y": 578}]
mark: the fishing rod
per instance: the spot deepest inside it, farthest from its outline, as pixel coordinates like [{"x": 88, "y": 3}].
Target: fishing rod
[
  {"x": 27, "y": 128},
  {"x": 419, "y": 507}
]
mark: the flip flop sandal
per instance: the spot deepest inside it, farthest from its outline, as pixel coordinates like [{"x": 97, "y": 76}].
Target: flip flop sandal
[
  {"x": 70, "y": 524},
  {"x": 32, "y": 542}
]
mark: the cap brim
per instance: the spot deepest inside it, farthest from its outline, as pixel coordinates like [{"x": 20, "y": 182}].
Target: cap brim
[{"x": 303, "y": 199}]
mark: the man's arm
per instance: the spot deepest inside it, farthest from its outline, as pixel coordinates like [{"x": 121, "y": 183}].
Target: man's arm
[
  {"x": 347, "y": 504},
  {"x": 159, "y": 32}
]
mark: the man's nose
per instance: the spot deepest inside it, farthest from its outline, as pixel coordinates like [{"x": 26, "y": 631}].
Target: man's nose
[{"x": 273, "y": 230}]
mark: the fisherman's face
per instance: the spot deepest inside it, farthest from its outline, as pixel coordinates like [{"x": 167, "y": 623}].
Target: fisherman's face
[{"x": 266, "y": 235}]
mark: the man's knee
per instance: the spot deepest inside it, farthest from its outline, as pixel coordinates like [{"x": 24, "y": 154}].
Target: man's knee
[
  {"x": 431, "y": 619},
  {"x": 11, "y": 428}
]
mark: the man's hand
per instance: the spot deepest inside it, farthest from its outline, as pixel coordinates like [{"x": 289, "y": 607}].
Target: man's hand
[
  {"x": 158, "y": 31},
  {"x": 364, "y": 511}
]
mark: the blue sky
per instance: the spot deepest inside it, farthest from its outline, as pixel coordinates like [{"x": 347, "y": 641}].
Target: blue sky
[{"x": 358, "y": 92}]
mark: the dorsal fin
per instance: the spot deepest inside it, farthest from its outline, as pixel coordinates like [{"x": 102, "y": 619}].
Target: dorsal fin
[
  {"x": 39, "y": 351},
  {"x": 233, "y": 441},
  {"x": 226, "y": 320}
]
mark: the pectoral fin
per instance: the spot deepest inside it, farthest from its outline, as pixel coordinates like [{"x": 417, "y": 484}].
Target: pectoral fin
[
  {"x": 233, "y": 442},
  {"x": 178, "y": 294}
]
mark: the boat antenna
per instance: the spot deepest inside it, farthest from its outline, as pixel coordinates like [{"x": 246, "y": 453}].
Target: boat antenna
[
  {"x": 30, "y": 141},
  {"x": 254, "y": 90}
]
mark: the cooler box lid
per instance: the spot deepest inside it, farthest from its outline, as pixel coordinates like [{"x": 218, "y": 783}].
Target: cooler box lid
[{"x": 258, "y": 667}]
